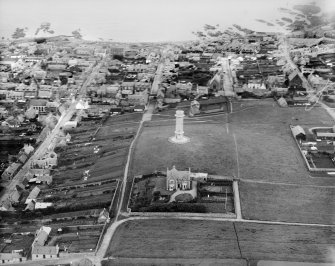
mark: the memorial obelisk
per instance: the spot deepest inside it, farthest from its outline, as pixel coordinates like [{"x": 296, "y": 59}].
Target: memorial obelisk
[{"x": 179, "y": 137}]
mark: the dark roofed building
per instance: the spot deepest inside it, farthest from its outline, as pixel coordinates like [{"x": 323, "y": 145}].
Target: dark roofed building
[
  {"x": 215, "y": 104},
  {"x": 295, "y": 81}
]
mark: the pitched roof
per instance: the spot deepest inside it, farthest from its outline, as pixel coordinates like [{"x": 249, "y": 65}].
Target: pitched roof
[
  {"x": 45, "y": 250},
  {"x": 23, "y": 158},
  {"x": 217, "y": 100},
  {"x": 34, "y": 193},
  {"x": 282, "y": 102},
  {"x": 41, "y": 236},
  {"x": 10, "y": 256},
  {"x": 296, "y": 130},
  {"x": 293, "y": 75},
  {"x": 178, "y": 175},
  {"x": 6, "y": 204},
  {"x": 38, "y": 102},
  {"x": 325, "y": 134}
]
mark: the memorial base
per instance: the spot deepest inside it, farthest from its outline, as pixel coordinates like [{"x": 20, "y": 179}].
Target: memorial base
[{"x": 181, "y": 140}]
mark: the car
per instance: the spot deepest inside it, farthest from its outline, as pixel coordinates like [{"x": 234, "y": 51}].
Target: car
[{"x": 23, "y": 134}]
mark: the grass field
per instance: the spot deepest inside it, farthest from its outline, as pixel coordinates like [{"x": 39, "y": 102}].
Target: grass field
[
  {"x": 287, "y": 203},
  {"x": 266, "y": 148},
  {"x": 266, "y": 152},
  {"x": 283, "y": 242},
  {"x": 171, "y": 238},
  {"x": 211, "y": 149},
  {"x": 168, "y": 238}
]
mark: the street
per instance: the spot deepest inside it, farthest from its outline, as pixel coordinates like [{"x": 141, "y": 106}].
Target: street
[{"x": 65, "y": 117}]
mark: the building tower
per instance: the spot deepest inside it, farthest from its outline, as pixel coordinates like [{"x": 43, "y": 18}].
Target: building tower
[{"x": 179, "y": 137}]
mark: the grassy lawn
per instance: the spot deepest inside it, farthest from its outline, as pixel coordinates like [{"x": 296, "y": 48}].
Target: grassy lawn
[
  {"x": 295, "y": 203},
  {"x": 172, "y": 238},
  {"x": 283, "y": 242},
  {"x": 268, "y": 112},
  {"x": 211, "y": 149},
  {"x": 168, "y": 238},
  {"x": 266, "y": 148},
  {"x": 266, "y": 152}
]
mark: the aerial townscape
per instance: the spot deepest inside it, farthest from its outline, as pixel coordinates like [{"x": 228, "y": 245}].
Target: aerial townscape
[{"x": 214, "y": 151}]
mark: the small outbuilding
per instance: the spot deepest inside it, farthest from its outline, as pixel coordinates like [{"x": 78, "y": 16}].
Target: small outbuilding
[{"x": 298, "y": 132}]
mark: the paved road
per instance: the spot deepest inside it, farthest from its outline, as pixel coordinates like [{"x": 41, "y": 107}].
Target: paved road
[
  {"x": 157, "y": 79},
  {"x": 227, "y": 77},
  {"x": 286, "y": 51}
]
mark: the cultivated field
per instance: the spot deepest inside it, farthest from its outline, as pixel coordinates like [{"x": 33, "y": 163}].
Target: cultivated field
[
  {"x": 171, "y": 238},
  {"x": 80, "y": 241},
  {"x": 18, "y": 242},
  {"x": 90, "y": 164},
  {"x": 100, "y": 149}
]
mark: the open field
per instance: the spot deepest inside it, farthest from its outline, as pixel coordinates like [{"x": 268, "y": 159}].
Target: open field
[
  {"x": 266, "y": 148},
  {"x": 274, "y": 202},
  {"x": 211, "y": 149},
  {"x": 169, "y": 238},
  {"x": 267, "y": 111},
  {"x": 172, "y": 238},
  {"x": 283, "y": 242},
  {"x": 266, "y": 152}
]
